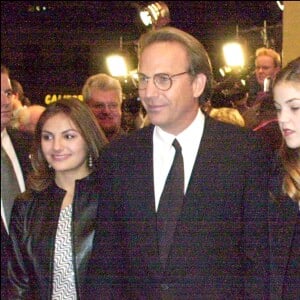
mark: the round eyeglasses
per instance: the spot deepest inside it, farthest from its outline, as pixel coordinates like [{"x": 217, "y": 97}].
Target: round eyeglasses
[{"x": 162, "y": 81}]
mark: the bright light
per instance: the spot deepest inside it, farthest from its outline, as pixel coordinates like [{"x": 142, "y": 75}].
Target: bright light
[
  {"x": 117, "y": 65},
  {"x": 146, "y": 18},
  {"x": 225, "y": 70},
  {"x": 222, "y": 72},
  {"x": 280, "y": 5},
  {"x": 155, "y": 10},
  {"x": 234, "y": 56},
  {"x": 156, "y": 14}
]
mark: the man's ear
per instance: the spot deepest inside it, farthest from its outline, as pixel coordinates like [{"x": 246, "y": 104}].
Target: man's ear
[{"x": 199, "y": 85}]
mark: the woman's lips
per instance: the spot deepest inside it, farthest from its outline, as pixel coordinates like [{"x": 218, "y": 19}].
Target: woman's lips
[{"x": 287, "y": 132}]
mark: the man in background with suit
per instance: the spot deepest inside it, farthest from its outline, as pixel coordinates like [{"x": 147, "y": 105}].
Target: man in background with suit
[
  {"x": 267, "y": 65},
  {"x": 16, "y": 146},
  {"x": 214, "y": 245}
]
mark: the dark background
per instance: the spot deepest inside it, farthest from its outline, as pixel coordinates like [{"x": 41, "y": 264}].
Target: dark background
[{"x": 54, "y": 51}]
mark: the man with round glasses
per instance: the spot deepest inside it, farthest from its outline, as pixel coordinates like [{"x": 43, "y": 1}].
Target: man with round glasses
[
  {"x": 161, "y": 80},
  {"x": 215, "y": 243}
]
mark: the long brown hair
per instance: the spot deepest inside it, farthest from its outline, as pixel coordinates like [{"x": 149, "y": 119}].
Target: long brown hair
[
  {"x": 290, "y": 157},
  {"x": 291, "y": 162},
  {"x": 83, "y": 119}
]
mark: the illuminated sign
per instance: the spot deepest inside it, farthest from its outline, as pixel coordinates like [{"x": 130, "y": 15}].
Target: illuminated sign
[{"x": 55, "y": 97}]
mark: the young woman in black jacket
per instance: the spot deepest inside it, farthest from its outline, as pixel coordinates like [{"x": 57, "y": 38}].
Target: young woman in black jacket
[
  {"x": 284, "y": 210},
  {"x": 52, "y": 224}
]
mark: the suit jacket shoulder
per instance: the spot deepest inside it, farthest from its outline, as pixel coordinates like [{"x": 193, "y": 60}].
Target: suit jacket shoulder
[{"x": 22, "y": 143}]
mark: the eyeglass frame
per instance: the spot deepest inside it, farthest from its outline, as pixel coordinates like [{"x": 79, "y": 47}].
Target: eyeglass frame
[
  {"x": 102, "y": 106},
  {"x": 169, "y": 77}
]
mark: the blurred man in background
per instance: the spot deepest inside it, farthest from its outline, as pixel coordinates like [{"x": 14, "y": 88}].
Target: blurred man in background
[
  {"x": 103, "y": 94},
  {"x": 267, "y": 65}
]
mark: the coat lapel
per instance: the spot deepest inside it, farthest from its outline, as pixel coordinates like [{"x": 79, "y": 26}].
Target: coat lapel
[
  {"x": 142, "y": 206},
  {"x": 205, "y": 174}
]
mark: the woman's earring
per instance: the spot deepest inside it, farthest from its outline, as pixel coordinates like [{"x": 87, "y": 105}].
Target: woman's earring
[
  {"x": 90, "y": 161},
  {"x": 49, "y": 166}
]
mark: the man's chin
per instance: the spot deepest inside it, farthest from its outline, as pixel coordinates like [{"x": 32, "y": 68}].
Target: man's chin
[
  {"x": 109, "y": 130},
  {"x": 261, "y": 82},
  {"x": 5, "y": 119}
]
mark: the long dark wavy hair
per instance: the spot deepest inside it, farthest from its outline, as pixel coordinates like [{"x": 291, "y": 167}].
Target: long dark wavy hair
[
  {"x": 42, "y": 176},
  {"x": 290, "y": 157}
]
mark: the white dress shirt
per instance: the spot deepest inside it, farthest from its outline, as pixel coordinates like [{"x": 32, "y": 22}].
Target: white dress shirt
[
  {"x": 164, "y": 152},
  {"x": 7, "y": 145}
]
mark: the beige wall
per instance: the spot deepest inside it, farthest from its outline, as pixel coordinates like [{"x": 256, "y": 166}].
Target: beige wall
[{"x": 291, "y": 31}]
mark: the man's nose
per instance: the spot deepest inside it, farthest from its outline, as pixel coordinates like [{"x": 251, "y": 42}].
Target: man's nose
[
  {"x": 151, "y": 90},
  {"x": 105, "y": 109}
]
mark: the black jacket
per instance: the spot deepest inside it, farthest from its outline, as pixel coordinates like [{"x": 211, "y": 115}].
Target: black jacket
[
  {"x": 33, "y": 229},
  {"x": 220, "y": 245},
  {"x": 5, "y": 255},
  {"x": 284, "y": 224},
  {"x": 21, "y": 142}
]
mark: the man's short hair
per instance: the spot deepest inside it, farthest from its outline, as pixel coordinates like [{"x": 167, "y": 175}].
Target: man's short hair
[
  {"x": 103, "y": 82},
  {"x": 269, "y": 52}
]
